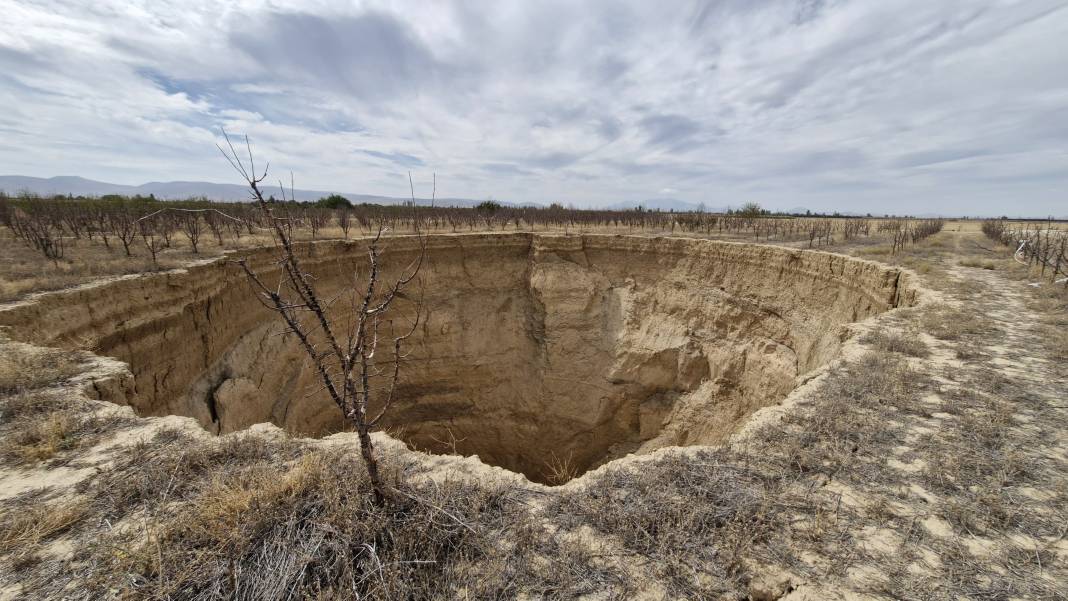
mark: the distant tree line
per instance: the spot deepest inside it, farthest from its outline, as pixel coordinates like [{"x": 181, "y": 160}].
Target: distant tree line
[{"x": 128, "y": 222}]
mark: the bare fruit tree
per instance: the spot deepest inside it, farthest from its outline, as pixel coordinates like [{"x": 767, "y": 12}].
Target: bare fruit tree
[{"x": 344, "y": 345}]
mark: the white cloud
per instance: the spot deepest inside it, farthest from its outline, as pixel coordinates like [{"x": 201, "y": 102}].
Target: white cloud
[{"x": 917, "y": 106}]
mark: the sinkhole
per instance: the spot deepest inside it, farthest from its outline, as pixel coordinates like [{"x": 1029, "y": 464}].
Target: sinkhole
[{"x": 538, "y": 353}]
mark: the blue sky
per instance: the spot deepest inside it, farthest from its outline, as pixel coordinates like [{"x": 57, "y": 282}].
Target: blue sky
[{"x": 899, "y": 106}]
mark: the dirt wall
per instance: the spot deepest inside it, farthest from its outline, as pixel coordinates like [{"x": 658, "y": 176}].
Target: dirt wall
[{"x": 536, "y": 348}]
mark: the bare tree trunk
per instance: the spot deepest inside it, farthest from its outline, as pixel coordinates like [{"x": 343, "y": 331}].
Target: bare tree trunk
[{"x": 346, "y": 363}]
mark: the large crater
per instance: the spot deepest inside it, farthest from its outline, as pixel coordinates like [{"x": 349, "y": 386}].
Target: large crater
[{"x": 538, "y": 349}]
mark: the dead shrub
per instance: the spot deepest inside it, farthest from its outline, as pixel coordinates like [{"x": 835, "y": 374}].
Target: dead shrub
[
  {"x": 950, "y": 323},
  {"x": 905, "y": 343},
  {"x": 560, "y": 470},
  {"x": 978, "y": 264}
]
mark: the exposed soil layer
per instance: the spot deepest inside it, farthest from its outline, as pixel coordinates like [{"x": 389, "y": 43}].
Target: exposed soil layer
[{"x": 537, "y": 350}]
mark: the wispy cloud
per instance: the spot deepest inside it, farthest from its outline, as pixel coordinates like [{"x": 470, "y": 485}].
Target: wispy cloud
[{"x": 914, "y": 105}]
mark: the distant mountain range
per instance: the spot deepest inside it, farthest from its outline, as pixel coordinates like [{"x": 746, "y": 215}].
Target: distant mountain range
[{"x": 80, "y": 186}]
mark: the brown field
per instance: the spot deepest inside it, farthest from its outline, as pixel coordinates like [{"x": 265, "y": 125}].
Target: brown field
[{"x": 593, "y": 408}]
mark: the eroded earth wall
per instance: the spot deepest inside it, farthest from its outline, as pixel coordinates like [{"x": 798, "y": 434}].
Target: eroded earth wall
[{"x": 534, "y": 349}]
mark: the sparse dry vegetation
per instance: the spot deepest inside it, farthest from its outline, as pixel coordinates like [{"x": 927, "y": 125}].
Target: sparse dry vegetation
[
  {"x": 37, "y": 421},
  {"x": 244, "y": 517},
  {"x": 978, "y": 264},
  {"x": 906, "y": 343},
  {"x": 26, "y": 525},
  {"x": 926, "y": 467},
  {"x": 41, "y": 426},
  {"x": 30, "y": 368},
  {"x": 953, "y": 323}
]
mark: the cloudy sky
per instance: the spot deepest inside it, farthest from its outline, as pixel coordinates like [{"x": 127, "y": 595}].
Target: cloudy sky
[{"x": 884, "y": 106}]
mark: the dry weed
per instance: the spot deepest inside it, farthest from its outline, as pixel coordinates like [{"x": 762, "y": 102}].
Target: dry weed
[
  {"x": 43, "y": 437},
  {"x": 694, "y": 518},
  {"x": 41, "y": 425},
  {"x": 24, "y": 526},
  {"x": 905, "y": 343},
  {"x": 560, "y": 470},
  {"x": 874, "y": 251},
  {"x": 29, "y": 368},
  {"x": 258, "y": 519},
  {"x": 952, "y": 323},
  {"x": 40, "y": 440},
  {"x": 978, "y": 264}
]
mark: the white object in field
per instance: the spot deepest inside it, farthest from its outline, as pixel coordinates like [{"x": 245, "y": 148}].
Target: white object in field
[{"x": 1016, "y": 255}]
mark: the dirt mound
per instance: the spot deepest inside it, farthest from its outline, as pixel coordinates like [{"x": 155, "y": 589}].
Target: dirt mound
[{"x": 540, "y": 354}]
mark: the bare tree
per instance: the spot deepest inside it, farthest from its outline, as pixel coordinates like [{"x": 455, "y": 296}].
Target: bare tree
[
  {"x": 344, "y": 220},
  {"x": 192, "y": 228},
  {"x": 40, "y": 232},
  {"x": 344, "y": 349},
  {"x": 124, "y": 225},
  {"x": 150, "y": 235}
]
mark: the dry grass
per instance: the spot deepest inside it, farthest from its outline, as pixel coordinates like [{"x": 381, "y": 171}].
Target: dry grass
[
  {"x": 905, "y": 343},
  {"x": 878, "y": 251},
  {"x": 32, "y": 405},
  {"x": 24, "y": 527},
  {"x": 951, "y": 323},
  {"x": 702, "y": 520},
  {"x": 1051, "y": 303},
  {"x": 244, "y": 517},
  {"x": 693, "y": 519},
  {"x": 920, "y": 266},
  {"x": 41, "y": 439},
  {"x": 559, "y": 470},
  {"x": 845, "y": 433},
  {"x": 932, "y": 257},
  {"x": 25, "y": 270},
  {"x": 40, "y": 427},
  {"x": 248, "y": 517},
  {"x": 312, "y": 528},
  {"x": 978, "y": 263},
  {"x": 174, "y": 464},
  {"x": 37, "y": 423},
  {"x": 28, "y": 368},
  {"x": 1056, "y": 340}
]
